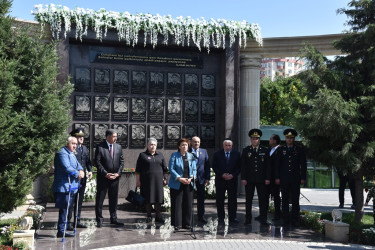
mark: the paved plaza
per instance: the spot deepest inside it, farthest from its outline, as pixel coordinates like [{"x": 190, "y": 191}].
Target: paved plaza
[{"x": 137, "y": 234}]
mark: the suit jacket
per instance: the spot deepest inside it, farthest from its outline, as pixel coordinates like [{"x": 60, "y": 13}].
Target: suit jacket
[
  {"x": 255, "y": 165},
  {"x": 104, "y": 162},
  {"x": 203, "y": 165},
  {"x": 220, "y": 167},
  {"x": 291, "y": 165},
  {"x": 176, "y": 168},
  {"x": 273, "y": 163},
  {"x": 66, "y": 167},
  {"x": 83, "y": 157}
]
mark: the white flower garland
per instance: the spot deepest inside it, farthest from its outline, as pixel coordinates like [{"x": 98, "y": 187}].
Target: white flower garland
[{"x": 203, "y": 33}]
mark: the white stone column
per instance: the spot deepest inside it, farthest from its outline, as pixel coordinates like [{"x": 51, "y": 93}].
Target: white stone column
[{"x": 249, "y": 95}]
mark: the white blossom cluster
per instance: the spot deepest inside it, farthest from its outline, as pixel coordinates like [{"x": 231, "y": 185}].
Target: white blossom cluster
[
  {"x": 90, "y": 190},
  {"x": 201, "y": 32},
  {"x": 167, "y": 198}
]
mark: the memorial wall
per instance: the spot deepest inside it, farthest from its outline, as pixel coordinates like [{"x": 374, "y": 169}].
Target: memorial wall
[{"x": 167, "y": 93}]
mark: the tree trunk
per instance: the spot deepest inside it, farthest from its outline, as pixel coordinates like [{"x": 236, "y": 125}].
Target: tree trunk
[{"x": 358, "y": 196}]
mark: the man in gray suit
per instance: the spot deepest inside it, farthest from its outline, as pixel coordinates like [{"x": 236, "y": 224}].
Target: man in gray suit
[{"x": 110, "y": 161}]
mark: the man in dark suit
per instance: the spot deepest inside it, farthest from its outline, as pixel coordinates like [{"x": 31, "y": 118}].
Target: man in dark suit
[
  {"x": 203, "y": 174},
  {"x": 291, "y": 170},
  {"x": 274, "y": 190},
  {"x": 110, "y": 162},
  {"x": 226, "y": 164},
  {"x": 255, "y": 172},
  {"x": 83, "y": 157}
]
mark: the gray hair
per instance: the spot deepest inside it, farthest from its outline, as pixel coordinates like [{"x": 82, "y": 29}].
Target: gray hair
[
  {"x": 70, "y": 138},
  {"x": 227, "y": 141},
  {"x": 152, "y": 139}
]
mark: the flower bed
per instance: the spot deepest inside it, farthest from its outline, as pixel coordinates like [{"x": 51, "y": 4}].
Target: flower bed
[{"x": 202, "y": 33}]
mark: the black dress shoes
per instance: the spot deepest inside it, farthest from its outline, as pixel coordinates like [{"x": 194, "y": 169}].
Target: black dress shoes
[
  {"x": 80, "y": 225},
  {"x": 176, "y": 229},
  {"x": 202, "y": 220},
  {"x": 186, "y": 227},
  {"x": 70, "y": 227},
  {"x": 99, "y": 224},
  {"x": 60, "y": 234},
  {"x": 235, "y": 220},
  {"x": 116, "y": 223}
]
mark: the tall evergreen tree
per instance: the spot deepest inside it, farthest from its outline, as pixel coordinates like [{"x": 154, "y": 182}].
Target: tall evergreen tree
[
  {"x": 339, "y": 119},
  {"x": 34, "y": 109}
]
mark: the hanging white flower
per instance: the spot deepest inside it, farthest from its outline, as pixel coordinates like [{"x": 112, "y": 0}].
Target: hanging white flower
[{"x": 202, "y": 33}]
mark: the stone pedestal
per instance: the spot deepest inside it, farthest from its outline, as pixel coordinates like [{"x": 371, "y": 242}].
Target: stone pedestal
[
  {"x": 24, "y": 236},
  {"x": 337, "y": 231}
]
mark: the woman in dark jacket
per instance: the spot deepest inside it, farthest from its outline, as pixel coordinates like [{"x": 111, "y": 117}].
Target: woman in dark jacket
[
  {"x": 182, "y": 167},
  {"x": 151, "y": 172}
]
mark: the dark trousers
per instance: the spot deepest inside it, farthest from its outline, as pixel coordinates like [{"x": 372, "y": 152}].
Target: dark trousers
[
  {"x": 201, "y": 195},
  {"x": 274, "y": 191},
  {"x": 104, "y": 185},
  {"x": 63, "y": 209},
  {"x": 290, "y": 191},
  {"x": 81, "y": 192},
  {"x": 230, "y": 186},
  {"x": 343, "y": 180},
  {"x": 262, "y": 196},
  {"x": 181, "y": 206}
]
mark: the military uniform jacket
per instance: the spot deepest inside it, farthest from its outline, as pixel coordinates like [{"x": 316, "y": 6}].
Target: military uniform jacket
[
  {"x": 255, "y": 164},
  {"x": 290, "y": 164},
  {"x": 83, "y": 157}
]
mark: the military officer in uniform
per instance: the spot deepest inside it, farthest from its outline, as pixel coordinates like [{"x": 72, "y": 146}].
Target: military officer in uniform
[
  {"x": 290, "y": 173},
  {"x": 255, "y": 173},
  {"x": 83, "y": 157}
]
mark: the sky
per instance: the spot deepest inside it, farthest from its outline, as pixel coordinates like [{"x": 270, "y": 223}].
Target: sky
[{"x": 277, "y": 18}]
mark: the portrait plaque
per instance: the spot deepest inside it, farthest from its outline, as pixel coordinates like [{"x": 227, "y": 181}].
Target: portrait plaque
[
  {"x": 208, "y": 111},
  {"x": 156, "y": 86},
  {"x": 190, "y": 131},
  {"x": 122, "y": 134},
  {"x": 173, "y": 110},
  {"x": 138, "y": 111},
  {"x": 120, "y": 81},
  {"x": 191, "y": 87},
  {"x": 101, "y": 108},
  {"x": 138, "y": 136},
  {"x": 82, "y": 107},
  {"x": 120, "y": 109},
  {"x": 99, "y": 133},
  {"x": 156, "y": 131},
  {"x": 156, "y": 110},
  {"x": 174, "y": 84},
  {"x": 207, "y": 136},
  {"x": 86, "y": 130},
  {"x": 138, "y": 82},
  {"x": 101, "y": 80},
  {"x": 82, "y": 80},
  {"x": 173, "y": 134},
  {"x": 208, "y": 86},
  {"x": 190, "y": 110}
]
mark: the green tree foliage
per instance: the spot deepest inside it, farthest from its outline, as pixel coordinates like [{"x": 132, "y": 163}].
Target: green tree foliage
[
  {"x": 34, "y": 109},
  {"x": 338, "y": 122},
  {"x": 281, "y": 100}
]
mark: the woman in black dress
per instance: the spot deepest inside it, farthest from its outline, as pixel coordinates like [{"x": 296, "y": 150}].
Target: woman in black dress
[{"x": 151, "y": 172}]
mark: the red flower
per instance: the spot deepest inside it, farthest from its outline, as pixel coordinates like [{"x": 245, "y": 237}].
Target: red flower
[
  {"x": 132, "y": 169},
  {"x": 366, "y": 190}
]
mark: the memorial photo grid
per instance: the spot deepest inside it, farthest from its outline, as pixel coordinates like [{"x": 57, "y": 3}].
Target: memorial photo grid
[{"x": 141, "y": 104}]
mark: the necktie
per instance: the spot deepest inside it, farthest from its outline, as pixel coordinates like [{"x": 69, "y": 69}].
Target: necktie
[
  {"x": 227, "y": 157},
  {"x": 111, "y": 150}
]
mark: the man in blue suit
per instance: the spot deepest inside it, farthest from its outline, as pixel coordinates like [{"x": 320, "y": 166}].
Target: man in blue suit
[
  {"x": 67, "y": 174},
  {"x": 226, "y": 164},
  {"x": 203, "y": 174}
]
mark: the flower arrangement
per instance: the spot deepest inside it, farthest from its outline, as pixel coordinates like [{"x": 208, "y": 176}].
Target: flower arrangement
[
  {"x": 167, "y": 198},
  {"x": 7, "y": 231},
  {"x": 36, "y": 212},
  {"x": 204, "y": 33},
  {"x": 90, "y": 190},
  {"x": 210, "y": 188}
]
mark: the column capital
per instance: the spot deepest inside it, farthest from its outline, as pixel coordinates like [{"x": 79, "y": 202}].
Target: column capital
[{"x": 250, "y": 60}]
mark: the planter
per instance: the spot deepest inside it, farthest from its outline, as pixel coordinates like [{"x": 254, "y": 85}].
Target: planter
[{"x": 337, "y": 231}]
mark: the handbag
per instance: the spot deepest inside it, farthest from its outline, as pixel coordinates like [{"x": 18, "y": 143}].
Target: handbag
[{"x": 135, "y": 198}]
